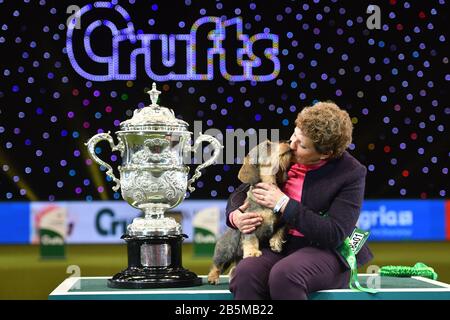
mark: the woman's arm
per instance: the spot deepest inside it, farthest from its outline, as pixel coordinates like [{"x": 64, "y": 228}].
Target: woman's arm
[{"x": 330, "y": 230}]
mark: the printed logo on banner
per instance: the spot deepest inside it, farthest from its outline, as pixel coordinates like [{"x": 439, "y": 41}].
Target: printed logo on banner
[
  {"x": 99, "y": 222},
  {"x": 45, "y": 219},
  {"x": 106, "y": 221},
  {"x": 88, "y": 222},
  {"x": 50, "y": 225},
  {"x": 206, "y": 231},
  {"x": 403, "y": 219}
]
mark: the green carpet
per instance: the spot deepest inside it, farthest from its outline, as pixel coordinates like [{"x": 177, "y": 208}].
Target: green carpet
[{"x": 25, "y": 276}]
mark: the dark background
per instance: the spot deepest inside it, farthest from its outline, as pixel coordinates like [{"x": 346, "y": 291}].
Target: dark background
[{"x": 393, "y": 82}]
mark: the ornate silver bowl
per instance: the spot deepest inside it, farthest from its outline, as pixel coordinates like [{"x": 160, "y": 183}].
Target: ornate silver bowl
[{"x": 153, "y": 176}]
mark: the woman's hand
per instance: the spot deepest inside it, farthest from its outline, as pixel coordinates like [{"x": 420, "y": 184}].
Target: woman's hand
[
  {"x": 246, "y": 222},
  {"x": 267, "y": 194}
]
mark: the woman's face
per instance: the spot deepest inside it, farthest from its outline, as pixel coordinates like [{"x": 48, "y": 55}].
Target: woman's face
[{"x": 303, "y": 149}]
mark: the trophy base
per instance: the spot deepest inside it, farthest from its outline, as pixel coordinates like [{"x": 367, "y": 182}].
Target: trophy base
[
  {"x": 154, "y": 262},
  {"x": 147, "y": 278}
]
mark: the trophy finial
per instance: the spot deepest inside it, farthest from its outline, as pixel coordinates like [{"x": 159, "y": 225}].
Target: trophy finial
[{"x": 154, "y": 95}]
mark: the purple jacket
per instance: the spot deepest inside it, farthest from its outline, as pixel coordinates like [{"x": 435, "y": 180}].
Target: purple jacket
[{"x": 337, "y": 189}]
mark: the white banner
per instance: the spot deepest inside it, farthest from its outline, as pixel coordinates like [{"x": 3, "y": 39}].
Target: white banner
[{"x": 106, "y": 221}]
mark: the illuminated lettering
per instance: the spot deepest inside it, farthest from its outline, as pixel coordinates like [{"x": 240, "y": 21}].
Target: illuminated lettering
[{"x": 128, "y": 46}]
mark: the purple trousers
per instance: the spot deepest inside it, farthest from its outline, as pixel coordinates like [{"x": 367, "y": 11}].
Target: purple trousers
[{"x": 288, "y": 276}]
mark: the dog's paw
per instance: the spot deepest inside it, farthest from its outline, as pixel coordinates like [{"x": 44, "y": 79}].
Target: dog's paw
[
  {"x": 252, "y": 253},
  {"x": 213, "y": 278},
  {"x": 213, "y": 275},
  {"x": 276, "y": 245}
]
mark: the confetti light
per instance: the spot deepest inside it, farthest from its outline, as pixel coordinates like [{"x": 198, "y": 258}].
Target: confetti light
[{"x": 391, "y": 81}]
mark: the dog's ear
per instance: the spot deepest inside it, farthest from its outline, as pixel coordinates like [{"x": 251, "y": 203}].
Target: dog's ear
[
  {"x": 249, "y": 172},
  {"x": 284, "y": 164},
  {"x": 285, "y": 161},
  {"x": 261, "y": 154}
]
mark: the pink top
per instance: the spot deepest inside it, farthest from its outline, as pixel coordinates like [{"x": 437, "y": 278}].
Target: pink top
[{"x": 293, "y": 187}]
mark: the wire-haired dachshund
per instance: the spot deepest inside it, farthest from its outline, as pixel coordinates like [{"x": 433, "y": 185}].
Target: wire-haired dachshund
[{"x": 268, "y": 162}]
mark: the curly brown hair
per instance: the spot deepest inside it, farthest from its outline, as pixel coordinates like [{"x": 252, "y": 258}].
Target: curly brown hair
[{"x": 328, "y": 126}]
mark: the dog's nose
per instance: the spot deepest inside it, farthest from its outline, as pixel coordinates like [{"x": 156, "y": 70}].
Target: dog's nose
[{"x": 289, "y": 141}]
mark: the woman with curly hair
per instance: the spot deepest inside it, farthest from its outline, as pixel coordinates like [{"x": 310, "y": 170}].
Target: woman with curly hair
[{"x": 320, "y": 202}]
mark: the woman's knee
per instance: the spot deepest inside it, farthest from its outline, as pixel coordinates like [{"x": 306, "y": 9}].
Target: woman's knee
[
  {"x": 247, "y": 267},
  {"x": 284, "y": 282},
  {"x": 284, "y": 274},
  {"x": 249, "y": 280},
  {"x": 244, "y": 271}
]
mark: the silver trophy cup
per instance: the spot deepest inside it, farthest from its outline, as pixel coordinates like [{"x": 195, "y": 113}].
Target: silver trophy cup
[{"x": 154, "y": 178}]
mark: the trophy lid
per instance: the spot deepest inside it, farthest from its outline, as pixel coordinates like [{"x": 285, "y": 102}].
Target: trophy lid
[{"x": 154, "y": 117}]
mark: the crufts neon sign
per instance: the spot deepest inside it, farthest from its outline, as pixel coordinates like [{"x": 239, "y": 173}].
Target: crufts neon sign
[{"x": 80, "y": 49}]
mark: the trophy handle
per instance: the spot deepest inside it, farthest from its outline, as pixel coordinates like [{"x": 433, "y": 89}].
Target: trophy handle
[
  {"x": 91, "y": 148},
  {"x": 217, "y": 147}
]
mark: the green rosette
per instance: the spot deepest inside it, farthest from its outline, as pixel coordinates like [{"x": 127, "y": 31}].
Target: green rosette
[{"x": 418, "y": 270}]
